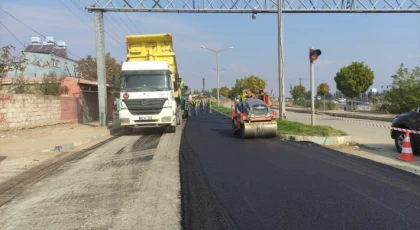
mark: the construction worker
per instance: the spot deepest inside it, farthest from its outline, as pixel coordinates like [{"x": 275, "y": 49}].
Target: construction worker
[
  {"x": 195, "y": 104},
  {"x": 265, "y": 98},
  {"x": 241, "y": 98},
  {"x": 209, "y": 105}
]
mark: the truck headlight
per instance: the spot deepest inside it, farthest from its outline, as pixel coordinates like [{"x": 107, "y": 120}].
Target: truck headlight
[
  {"x": 268, "y": 114},
  {"x": 251, "y": 115}
]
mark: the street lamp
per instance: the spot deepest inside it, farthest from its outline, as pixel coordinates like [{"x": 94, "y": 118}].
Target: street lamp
[{"x": 217, "y": 67}]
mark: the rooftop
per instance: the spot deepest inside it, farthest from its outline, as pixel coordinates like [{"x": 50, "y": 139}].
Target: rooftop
[{"x": 47, "y": 47}]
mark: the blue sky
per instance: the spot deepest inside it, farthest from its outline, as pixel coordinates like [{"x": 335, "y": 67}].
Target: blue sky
[{"x": 383, "y": 41}]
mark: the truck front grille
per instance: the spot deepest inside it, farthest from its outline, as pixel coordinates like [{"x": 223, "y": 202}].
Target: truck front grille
[{"x": 145, "y": 106}]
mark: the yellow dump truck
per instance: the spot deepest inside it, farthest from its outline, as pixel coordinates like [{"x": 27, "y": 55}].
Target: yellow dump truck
[{"x": 150, "y": 83}]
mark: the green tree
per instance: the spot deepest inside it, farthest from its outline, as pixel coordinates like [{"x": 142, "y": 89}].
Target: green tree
[
  {"x": 214, "y": 92},
  {"x": 298, "y": 92},
  {"x": 50, "y": 85},
  {"x": 251, "y": 82},
  {"x": 354, "y": 79},
  {"x": 18, "y": 64},
  {"x": 322, "y": 90},
  {"x": 86, "y": 68},
  {"x": 224, "y": 91},
  {"x": 405, "y": 92}
]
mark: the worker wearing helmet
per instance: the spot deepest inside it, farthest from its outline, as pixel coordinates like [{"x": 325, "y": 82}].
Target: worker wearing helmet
[
  {"x": 265, "y": 98},
  {"x": 241, "y": 98}
]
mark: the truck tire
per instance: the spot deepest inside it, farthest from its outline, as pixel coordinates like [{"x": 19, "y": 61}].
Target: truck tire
[
  {"x": 178, "y": 116},
  {"x": 171, "y": 129}
]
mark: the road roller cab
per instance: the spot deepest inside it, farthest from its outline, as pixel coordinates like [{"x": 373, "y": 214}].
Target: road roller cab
[{"x": 256, "y": 119}]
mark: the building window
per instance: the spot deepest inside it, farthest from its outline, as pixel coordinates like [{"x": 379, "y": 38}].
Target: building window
[{"x": 57, "y": 63}]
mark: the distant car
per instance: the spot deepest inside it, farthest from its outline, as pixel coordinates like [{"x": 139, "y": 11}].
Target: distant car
[
  {"x": 410, "y": 120},
  {"x": 341, "y": 100},
  {"x": 358, "y": 105}
]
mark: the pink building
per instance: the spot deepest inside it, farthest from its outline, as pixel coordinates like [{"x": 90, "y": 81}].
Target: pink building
[{"x": 80, "y": 102}]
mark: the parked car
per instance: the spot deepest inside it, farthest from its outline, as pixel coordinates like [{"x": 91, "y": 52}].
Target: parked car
[
  {"x": 410, "y": 120},
  {"x": 357, "y": 105},
  {"x": 341, "y": 100}
]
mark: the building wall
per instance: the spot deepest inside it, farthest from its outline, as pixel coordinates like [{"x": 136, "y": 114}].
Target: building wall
[
  {"x": 25, "y": 110},
  {"x": 64, "y": 68},
  {"x": 28, "y": 110}
]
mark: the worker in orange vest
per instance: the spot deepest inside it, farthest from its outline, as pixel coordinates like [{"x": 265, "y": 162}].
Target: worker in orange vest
[{"x": 265, "y": 98}]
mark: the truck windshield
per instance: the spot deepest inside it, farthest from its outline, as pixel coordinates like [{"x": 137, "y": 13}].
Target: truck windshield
[{"x": 146, "y": 81}]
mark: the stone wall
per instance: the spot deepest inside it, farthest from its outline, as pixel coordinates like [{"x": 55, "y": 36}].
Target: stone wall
[{"x": 27, "y": 110}]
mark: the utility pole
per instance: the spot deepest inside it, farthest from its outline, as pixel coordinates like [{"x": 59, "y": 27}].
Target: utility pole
[
  {"x": 313, "y": 55},
  {"x": 217, "y": 69},
  {"x": 300, "y": 81},
  {"x": 282, "y": 108},
  {"x": 100, "y": 64},
  {"x": 311, "y": 65},
  {"x": 204, "y": 85}
]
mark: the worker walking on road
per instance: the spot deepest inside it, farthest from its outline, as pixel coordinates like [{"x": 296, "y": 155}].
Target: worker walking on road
[
  {"x": 209, "y": 105},
  {"x": 195, "y": 104}
]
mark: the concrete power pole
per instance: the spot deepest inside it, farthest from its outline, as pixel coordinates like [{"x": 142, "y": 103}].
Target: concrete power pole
[
  {"x": 313, "y": 55},
  {"x": 282, "y": 108},
  {"x": 300, "y": 81},
  {"x": 101, "y": 70},
  {"x": 204, "y": 85}
]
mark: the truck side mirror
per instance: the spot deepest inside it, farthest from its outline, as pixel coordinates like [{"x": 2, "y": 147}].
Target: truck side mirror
[
  {"x": 176, "y": 85},
  {"x": 418, "y": 110}
]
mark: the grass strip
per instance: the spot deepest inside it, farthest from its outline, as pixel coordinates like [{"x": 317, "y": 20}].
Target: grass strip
[{"x": 286, "y": 127}]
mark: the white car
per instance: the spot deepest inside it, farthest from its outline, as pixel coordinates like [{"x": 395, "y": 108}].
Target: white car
[{"x": 357, "y": 105}]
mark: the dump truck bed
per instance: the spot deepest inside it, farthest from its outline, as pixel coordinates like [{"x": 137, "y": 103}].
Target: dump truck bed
[{"x": 153, "y": 47}]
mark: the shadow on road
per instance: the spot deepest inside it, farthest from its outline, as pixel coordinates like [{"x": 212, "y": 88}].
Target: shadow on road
[{"x": 226, "y": 133}]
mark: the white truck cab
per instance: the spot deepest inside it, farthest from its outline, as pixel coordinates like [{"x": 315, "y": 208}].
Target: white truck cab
[{"x": 147, "y": 96}]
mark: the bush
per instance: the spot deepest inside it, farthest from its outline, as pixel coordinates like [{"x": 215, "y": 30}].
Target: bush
[{"x": 301, "y": 102}]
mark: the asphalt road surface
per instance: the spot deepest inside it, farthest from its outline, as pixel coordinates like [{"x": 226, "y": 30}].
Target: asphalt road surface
[{"x": 230, "y": 183}]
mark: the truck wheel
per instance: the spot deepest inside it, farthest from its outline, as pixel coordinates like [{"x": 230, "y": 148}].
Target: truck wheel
[
  {"x": 128, "y": 130},
  {"x": 178, "y": 116},
  {"x": 171, "y": 129}
]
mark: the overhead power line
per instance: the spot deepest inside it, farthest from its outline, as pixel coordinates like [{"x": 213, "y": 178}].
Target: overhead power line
[
  {"x": 34, "y": 30},
  {"x": 12, "y": 34},
  {"x": 88, "y": 25}
]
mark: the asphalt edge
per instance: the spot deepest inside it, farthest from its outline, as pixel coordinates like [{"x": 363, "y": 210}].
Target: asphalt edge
[
  {"x": 327, "y": 141},
  {"x": 196, "y": 191},
  {"x": 69, "y": 146}
]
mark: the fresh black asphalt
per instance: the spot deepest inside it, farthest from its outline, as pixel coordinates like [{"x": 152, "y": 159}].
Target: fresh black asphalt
[{"x": 231, "y": 183}]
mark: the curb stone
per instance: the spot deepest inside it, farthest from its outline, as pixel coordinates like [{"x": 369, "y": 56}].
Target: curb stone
[
  {"x": 327, "y": 141},
  {"x": 69, "y": 146}
]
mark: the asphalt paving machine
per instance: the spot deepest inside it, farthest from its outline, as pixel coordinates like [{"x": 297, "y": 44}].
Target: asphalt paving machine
[{"x": 256, "y": 119}]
